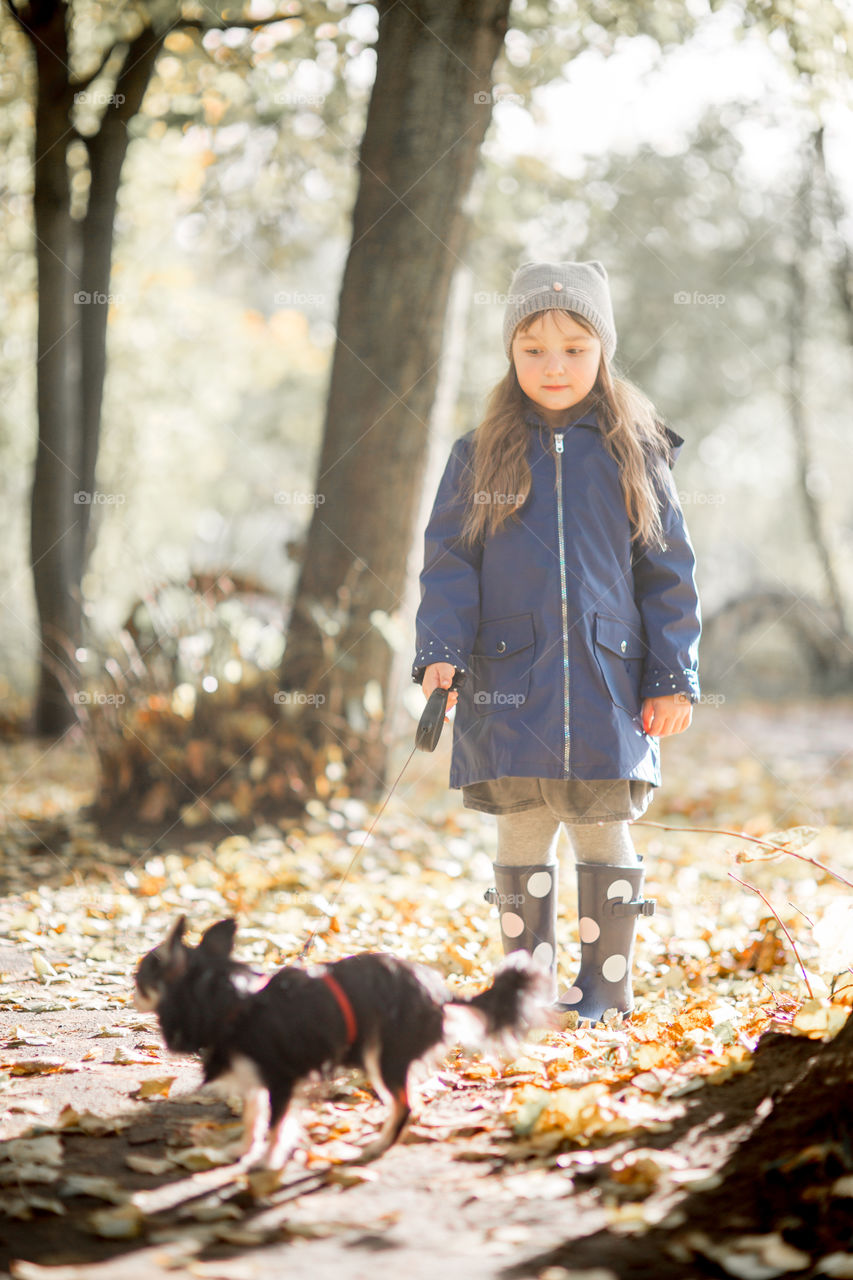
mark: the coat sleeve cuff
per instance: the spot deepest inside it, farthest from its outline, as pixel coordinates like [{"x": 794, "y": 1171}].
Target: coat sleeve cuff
[
  {"x": 436, "y": 651},
  {"x": 658, "y": 683}
]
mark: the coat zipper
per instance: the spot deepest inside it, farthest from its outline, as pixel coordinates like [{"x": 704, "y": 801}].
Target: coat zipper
[{"x": 558, "y": 445}]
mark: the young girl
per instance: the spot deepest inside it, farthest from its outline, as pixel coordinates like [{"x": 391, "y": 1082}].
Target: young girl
[{"x": 558, "y": 597}]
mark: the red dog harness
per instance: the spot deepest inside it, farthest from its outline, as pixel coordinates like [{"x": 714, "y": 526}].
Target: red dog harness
[{"x": 344, "y": 1006}]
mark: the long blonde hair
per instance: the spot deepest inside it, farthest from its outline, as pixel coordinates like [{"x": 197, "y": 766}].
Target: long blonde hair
[{"x": 631, "y": 430}]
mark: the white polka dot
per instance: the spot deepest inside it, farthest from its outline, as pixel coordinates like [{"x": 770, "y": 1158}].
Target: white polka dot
[
  {"x": 621, "y": 889},
  {"x": 615, "y": 968},
  {"x": 539, "y": 884},
  {"x": 543, "y": 954},
  {"x": 512, "y": 924},
  {"x": 589, "y": 930},
  {"x": 572, "y": 996}
]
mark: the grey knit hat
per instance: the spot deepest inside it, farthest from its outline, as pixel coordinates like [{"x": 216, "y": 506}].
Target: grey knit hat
[{"x": 562, "y": 286}]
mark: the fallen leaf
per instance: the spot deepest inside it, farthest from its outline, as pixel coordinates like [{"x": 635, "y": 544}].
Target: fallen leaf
[
  {"x": 37, "y": 1066},
  {"x": 819, "y": 1019},
  {"x": 81, "y": 1184},
  {"x": 44, "y": 1149},
  {"x": 154, "y": 1165},
  {"x": 122, "y": 1223},
  {"x": 155, "y": 1087},
  {"x": 198, "y": 1158},
  {"x": 44, "y": 969}
]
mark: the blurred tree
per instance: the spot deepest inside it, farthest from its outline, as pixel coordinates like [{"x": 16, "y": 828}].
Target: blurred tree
[
  {"x": 429, "y": 110},
  {"x": 73, "y": 249}
]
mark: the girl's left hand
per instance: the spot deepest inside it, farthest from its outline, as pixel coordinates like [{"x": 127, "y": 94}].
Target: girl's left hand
[{"x": 670, "y": 714}]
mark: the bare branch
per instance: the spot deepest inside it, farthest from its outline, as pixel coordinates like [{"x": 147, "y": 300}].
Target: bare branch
[
  {"x": 741, "y": 835},
  {"x": 231, "y": 24},
  {"x": 771, "y": 908},
  {"x": 84, "y": 84}
]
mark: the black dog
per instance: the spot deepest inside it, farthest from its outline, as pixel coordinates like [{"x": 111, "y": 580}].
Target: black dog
[{"x": 372, "y": 1011}]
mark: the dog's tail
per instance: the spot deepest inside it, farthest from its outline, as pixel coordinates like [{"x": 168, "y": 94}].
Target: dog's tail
[{"x": 515, "y": 1000}]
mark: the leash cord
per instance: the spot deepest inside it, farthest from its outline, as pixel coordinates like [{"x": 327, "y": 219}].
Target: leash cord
[{"x": 307, "y": 946}]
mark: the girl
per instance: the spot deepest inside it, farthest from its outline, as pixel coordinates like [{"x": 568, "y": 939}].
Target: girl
[{"x": 558, "y": 598}]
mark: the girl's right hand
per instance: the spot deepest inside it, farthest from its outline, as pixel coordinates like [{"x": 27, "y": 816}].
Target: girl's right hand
[{"x": 440, "y": 676}]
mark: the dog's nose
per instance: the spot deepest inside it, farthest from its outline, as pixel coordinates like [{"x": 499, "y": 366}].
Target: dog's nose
[{"x": 142, "y": 1001}]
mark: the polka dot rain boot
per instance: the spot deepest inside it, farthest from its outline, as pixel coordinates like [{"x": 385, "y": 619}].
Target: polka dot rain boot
[
  {"x": 526, "y": 899},
  {"x": 609, "y": 902}
]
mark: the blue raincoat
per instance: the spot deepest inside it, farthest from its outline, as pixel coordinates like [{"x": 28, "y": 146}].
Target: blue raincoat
[{"x": 558, "y": 624}]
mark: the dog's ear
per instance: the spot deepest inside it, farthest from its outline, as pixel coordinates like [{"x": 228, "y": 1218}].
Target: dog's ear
[
  {"x": 176, "y": 935},
  {"x": 173, "y": 953},
  {"x": 218, "y": 940}
]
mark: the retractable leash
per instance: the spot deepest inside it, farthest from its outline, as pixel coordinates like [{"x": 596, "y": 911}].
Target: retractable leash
[{"x": 427, "y": 735}]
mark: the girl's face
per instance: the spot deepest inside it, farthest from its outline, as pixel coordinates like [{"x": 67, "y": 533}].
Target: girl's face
[{"x": 556, "y": 362}]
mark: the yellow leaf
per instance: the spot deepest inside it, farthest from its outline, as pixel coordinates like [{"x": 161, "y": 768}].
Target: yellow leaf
[
  {"x": 122, "y": 1223},
  {"x": 155, "y": 1087},
  {"x": 818, "y": 1019},
  {"x": 197, "y": 1158}
]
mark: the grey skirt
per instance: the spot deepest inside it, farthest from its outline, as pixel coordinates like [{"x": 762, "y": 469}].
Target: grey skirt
[{"x": 570, "y": 800}]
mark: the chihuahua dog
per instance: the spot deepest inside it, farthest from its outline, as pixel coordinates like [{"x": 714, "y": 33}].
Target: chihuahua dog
[{"x": 267, "y": 1035}]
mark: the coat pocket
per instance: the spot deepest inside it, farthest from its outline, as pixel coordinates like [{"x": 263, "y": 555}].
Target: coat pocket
[
  {"x": 619, "y": 652},
  {"x": 501, "y": 661}
]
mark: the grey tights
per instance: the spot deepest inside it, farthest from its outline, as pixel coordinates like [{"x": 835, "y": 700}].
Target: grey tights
[{"x": 530, "y": 839}]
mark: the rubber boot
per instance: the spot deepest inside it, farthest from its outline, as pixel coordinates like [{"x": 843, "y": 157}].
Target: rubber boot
[
  {"x": 526, "y": 898},
  {"x": 609, "y": 902}
]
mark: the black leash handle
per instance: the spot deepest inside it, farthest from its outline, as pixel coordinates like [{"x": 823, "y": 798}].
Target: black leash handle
[{"x": 431, "y": 722}]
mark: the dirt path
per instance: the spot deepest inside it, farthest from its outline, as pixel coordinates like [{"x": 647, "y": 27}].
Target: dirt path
[
  {"x": 465, "y": 1194},
  {"x": 446, "y": 1200}
]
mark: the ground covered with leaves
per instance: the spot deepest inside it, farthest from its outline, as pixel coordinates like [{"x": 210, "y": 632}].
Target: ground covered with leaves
[{"x": 707, "y": 1137}]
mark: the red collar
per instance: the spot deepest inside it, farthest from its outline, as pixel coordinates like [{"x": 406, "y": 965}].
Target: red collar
[{"x": 344, "y": 1006}]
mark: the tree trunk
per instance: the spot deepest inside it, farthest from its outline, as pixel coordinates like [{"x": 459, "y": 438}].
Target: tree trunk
[
  {"x": 55, "y": 516},
  {"x": 107, "y": 149},
  {"x": 797, "y": 390},
  {"x": 428, "y": 114},
  {"x": 73, "y": 271},
  {"x": 835, "y": 213}
]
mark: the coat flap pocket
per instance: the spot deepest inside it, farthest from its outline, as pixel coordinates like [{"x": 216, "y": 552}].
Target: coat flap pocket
[
  {"x": 620, "y": 637},
  {"x": 504, "y": 636}
]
